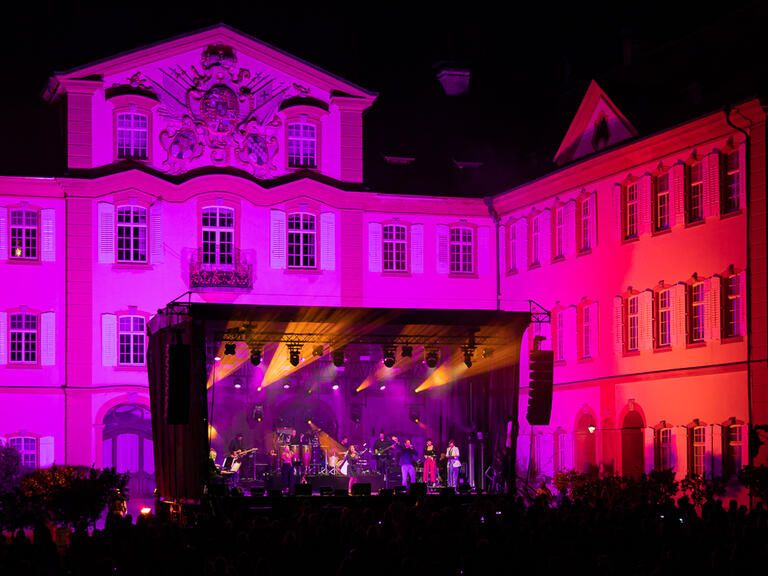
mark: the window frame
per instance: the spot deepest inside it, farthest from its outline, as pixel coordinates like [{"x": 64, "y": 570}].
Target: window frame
[
  {"x": 694, "y": 167},
  {"x": 631, "y": 298},
  {"x": 133, "y": 131},
  {"x": 659, "y": 311},
  {"x": 305, "y": 122},
  {"x": 731, "y": 306},
  {"x": 10, "y": 438},
  {"x": 730, "y": 192},
  {"x": 583, "y": 232},
  {"x": 534, "y": 240},
  {"x": 663, "y": 177},
  {"x": 664, "y": 457},
  {"x": 698, "y": 446},
  {"x": 558, "y": 232},
  {"x": 696, "y": 310},
  {"x": 633, "y": 187}
]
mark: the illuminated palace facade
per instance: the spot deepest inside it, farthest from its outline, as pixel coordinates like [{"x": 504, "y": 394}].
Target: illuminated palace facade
[{"x": 216, "y": 164}]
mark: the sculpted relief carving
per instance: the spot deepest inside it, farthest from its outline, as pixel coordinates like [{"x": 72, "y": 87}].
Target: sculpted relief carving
[{"x": 219, "y": 110}]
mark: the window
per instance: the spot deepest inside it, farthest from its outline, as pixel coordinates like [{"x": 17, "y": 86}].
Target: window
[
  {"x": 731, "y": 185},
  {"x": 131, "y": 234},
  {"x": 461, "y": 250},
  {"x": 218, "y": 236},
  {"x": 302, "y": 145},
  {"x": 584, "y": 226},
  {"x": 131, "y": 340},
  {"x": 663, "y": 318},
  {"x": 631, "y": 212},
  {"x": 661, "y": 203},
  {"x": 695, "y": 212},
  {"x": 302, "y": 235},
  {"x": 696, "y": 331},
  {"x": 664, "y": 449},
  {"x": 732, "y": 447},
  {"x": 731, "y": 306},
  {"x": 23, "y": 338},
  {"x": 535, "y": 240},
  {"x": 560, "y": 337},
  {"x": 395, "y": 248},
  {"x": 633, "y": 323},
  {"x": 132, "y": 136},
  {"x": 513, "y": 263},
  {"x": 27, "y": 448},
  {"x": 559, "y": 232},
  {"x": 586, "y": 334},
  {"x": 698, "y": 450},
  {"x": 23, "y": 234}
]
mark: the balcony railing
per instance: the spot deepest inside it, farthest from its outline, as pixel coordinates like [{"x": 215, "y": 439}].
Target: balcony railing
[{"x": 238, "y": 274}]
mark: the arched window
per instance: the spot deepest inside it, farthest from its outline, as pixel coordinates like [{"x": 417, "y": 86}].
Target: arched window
[
  {"x": 132, "y": 340},
  {"x": 127, "y": 447}
]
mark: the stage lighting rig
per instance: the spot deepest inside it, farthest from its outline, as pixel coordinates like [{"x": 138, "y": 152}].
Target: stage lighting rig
[
  {"x": 389, "y": 356},
  {"x": 431, "y": 357},
  {"x": 338, "y": 358},
  {"x": 406, "y": 351},
  {"x": 256, "y": 356},
  {"x": 230, "y": 349},
  {"x": 468, "y": 352},
  {"x": 294, "y": 354}
]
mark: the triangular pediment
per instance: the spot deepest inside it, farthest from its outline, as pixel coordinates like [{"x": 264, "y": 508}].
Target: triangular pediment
[
  {"x": 598, "y": 124},
  {"x": 248, "y": 52}
]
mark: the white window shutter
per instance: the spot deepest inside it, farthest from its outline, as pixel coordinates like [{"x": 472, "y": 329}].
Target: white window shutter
[
  {"x": 483, "y": 250},
  {"x": 716, "y": 304},
  {"x": 644, "y": 204},
  {"x": 618, "y": 325},
  {"x": 743, "y": 185},
  {"x": 3, "y": 234},
  {"x": 277, "y": 239},
  {"x": 646, "y": 320},
  {"x": 374, "y": 247},
  {"x": 570, "y": 228},
  {"x": 679, "y": 313},
  {"x": 443, "y": 255},
  {"x": 3, "y": 338},
  {"x": 545, "y": 236},
  {"x": 618, "y": 212},
  {"x": 648, "y": 449},
  {"x": 46, "y": 451},
  {"x": 48, "y": 235},
  {"x": 328, "y": 241},
  {"x": 569, "y": 338},
  {"x": 677, "y": 194},
  {"x": 712, "y": 184},
  {"x": 743, "y": 305},
  {"x": 109, "y": 340},
  {"x": 156, "y": 246},
  {"x": 106, "y": 216},
  {"x": 521, "y": 258},
  {"x": 592, "y": 200},
  {"x": 502, "y": 245},
  {"x": 48, "y": 337},
  {"x": 680, "y": 452},
  {"x": 417, "y": 248},
  {"x": 594, "y": 327}
]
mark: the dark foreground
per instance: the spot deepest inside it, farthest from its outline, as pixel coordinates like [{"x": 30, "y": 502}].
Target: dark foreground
[{"x": 404, "y": 535}]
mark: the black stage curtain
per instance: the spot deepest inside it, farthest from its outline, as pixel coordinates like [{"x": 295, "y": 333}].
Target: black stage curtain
[{"x": 177, "y": 374}]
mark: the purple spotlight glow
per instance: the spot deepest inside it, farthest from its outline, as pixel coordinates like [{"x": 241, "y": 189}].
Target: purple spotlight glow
[
  {"x": 383, "y": 387},
  {"x": 286, "y": 386},
  {"x": 258, "y": 389},
  {"x": 217, "y": 358},
  {"x": 335, "y": 386},
  {"x": 238, "y": 386}
]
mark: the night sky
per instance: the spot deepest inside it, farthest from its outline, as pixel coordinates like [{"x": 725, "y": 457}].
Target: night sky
[{"x": 530, "y": 68}]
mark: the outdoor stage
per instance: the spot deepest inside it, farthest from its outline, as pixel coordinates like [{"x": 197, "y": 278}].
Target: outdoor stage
[{"x": 313, "y": 381}]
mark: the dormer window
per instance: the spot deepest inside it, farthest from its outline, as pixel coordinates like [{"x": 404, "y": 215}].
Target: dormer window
[
  {"x": 132, "y": 136},
  {"x": 302, "y": 145}
]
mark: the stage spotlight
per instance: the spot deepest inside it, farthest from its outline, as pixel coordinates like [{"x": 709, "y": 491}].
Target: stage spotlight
[
  {"x": 338, "y": 358},
  {"x": 335, "y": 386},
  {"x": 255, "y": 356},
  {"x": 487, "y": 352},
  {"x": 309, "y": 421},
  {"x": 432, "y": 358},
  {"x": 238, "y": 384},
  {"x": 217, "y": 358},
  {"x": 383, "y": 387},
  {"x": 468, "y": 356},
  {"x": 286, "y": 386},
  {"x": 389, "y": 356},
  {"x": 406, "y": 351},
  {"x": 294, "y": 355},
  {"x": 229, "y": 349},
  {"x": 317, "y": 351}
]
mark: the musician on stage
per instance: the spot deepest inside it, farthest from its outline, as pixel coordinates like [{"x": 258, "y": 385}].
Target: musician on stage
[
  {"x": 382, "y": 448},
  {"x": 236, "y": 445},
  {"x": 353, "y": 470},
  {"x": 287, "y": 459},
  {"x": 453, "y": 464},
  {"x": 408, "y": 463},
  {"x": 429, "y": 476}
]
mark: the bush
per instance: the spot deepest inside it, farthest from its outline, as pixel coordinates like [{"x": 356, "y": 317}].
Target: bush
[
  {"x": 755, "y": 478},
  {"x": 10, "y": 469}
]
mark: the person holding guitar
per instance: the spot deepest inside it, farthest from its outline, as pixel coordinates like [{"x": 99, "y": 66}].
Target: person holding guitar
[{"x": 382, "y": 450}]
